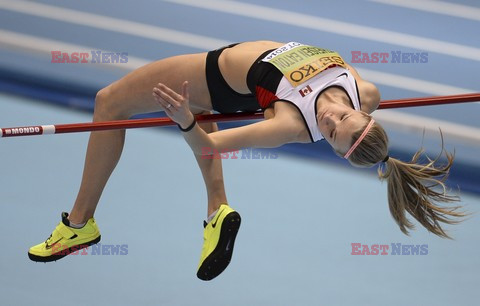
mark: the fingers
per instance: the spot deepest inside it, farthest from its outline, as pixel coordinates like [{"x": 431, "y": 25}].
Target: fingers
[
  {"x": 166, "y": 97},
  {"x": 157, "y": 96},
  {"x": 185, "y": 93},
  {"x": 167, "y": 108},
  {"x": 173, "y": 94}
]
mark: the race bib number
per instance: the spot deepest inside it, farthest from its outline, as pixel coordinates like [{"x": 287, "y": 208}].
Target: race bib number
[{"x": 299, "y": 62}]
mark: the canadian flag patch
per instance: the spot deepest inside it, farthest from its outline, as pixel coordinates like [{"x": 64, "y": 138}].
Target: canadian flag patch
[{"x": 305, "y": 90}]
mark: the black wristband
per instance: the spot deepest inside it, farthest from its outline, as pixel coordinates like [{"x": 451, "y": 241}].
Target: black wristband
[{"x": 189, "y": 127}]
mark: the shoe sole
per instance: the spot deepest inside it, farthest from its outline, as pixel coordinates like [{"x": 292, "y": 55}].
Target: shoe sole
[
  {"x": 218, "y": 260},
  {"x": 63, "y": 253}
]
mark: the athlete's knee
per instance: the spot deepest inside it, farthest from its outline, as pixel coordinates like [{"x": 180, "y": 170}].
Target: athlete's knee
[
  {"x": 103, "y": 102},
  {"x": 107, "y": 107}
]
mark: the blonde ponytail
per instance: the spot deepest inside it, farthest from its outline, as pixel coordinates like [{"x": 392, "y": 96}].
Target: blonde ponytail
[
  {"x": 413, "y": 187},
  {"x": 416, "y": 188}
]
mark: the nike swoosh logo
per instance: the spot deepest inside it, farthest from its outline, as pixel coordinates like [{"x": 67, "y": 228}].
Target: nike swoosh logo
[
  {"x": 219, "y": 214},
  {"x": 228, "y": 245},
  {"x": 49, "y": 246},
  {"x": 345, "y": 74}
]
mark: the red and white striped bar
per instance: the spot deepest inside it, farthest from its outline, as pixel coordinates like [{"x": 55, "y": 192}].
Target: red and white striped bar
[
  {"x": 118, "y": 124},
  {"x": 153, "y": 122}
]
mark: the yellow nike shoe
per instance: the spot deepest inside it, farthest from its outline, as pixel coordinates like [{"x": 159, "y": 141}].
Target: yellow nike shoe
[
  {"x": 219, "y": 236},
  {"x": 65, "y": 240}
]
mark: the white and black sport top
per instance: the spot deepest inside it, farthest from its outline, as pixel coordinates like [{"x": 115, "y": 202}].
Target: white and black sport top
[{"x": 298, "y": 74}]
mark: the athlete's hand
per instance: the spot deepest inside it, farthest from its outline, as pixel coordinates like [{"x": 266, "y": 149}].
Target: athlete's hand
[{"x": 176, "y": 106}]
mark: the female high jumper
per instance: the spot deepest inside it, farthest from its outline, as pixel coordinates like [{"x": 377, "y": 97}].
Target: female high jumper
[{"x": 307, "y": 94}]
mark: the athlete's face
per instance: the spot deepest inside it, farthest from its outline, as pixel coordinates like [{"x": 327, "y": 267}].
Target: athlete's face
[{"x": 337, "y": 123}]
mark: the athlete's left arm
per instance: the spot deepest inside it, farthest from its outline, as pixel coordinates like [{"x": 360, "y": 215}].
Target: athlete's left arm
[{"x": 369, "y": 93}]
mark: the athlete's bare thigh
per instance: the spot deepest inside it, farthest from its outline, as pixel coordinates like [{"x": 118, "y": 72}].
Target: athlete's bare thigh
[{"x": 133, "y": 93}]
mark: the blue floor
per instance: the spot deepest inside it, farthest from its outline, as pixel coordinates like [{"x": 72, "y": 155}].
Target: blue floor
[{"x": 294, "y": 248}]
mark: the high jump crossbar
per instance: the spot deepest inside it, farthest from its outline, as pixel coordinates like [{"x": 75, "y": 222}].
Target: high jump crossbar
[{"x": 241, "y": 116}]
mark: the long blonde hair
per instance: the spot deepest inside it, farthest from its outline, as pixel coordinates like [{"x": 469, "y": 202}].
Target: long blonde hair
[{"x": 413, "y": 187}]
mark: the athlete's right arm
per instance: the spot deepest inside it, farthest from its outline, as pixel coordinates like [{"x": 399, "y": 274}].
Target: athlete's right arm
[
  {"x": 279, "y": 130},
  {"x": 369, "y": 93},
  {"x": 269, "y": 133}
]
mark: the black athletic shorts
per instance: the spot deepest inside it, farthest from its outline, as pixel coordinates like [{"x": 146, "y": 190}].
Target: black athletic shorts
[{"x": 225, "y": 100}]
